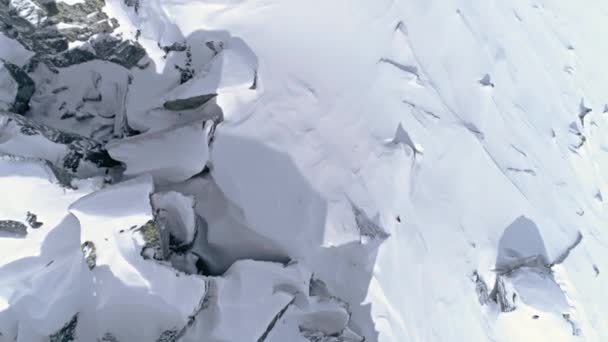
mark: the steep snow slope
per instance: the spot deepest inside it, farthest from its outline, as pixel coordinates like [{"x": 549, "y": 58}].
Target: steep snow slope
[{"x": 401, "y": 170}]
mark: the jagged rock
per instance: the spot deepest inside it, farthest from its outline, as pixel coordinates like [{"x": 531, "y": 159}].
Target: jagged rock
[
  {"x": 176, "y": 46},
  {"x": 151, "y": 236},
  {"x": 230, "y": 69},
  {"x": 13, "y": 227},
  {"x": 37, "y": 25},
  {"x": 123, "y": 52},
  {"x": 504, "y": 294},
  {"x": 70, "y": 152},
  {"x": 23, "y": 84},
  {"x": 61, "y": 176},
  {"x": 576, "y": 331},
  {"x": 177, "y": 227},
  {"x": 108, "y": 337},
  {"x": 118, "y": 220},
  {"x": 481, "y": 289},
  {"x": 133, "y": 3},
  {"x": 67, "y": 333},
  {"x": 90, "y": 254},
  {"x": 32, "y": 220}
]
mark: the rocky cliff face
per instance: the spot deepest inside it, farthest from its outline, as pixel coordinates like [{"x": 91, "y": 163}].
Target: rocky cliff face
[{"x": 324, "y": 171}]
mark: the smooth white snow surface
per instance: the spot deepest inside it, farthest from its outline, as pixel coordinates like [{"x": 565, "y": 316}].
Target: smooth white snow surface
[
  {"x": 406, "y": 153},
  {"x": 12, "y": 51}
]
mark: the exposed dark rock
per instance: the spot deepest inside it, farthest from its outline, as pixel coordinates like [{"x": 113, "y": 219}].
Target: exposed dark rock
[
  {"x": 562, "y": 257},
  {"x": 504, "y": 295},
  {"x": 168, "y": 336},
  {"x": 189, "y": 103},
  {"x": 173, "y": 335},
  {"x": 481, "y": 289},
  {"x": 71, "y": 57},
  {"x": 90, "y": 254},
  {"x": 32, "y": 220},
  {"x": 320, "y": 336},
  {"x": 63, "y": 178},
  {"x": 67, "y": 333},
  {"x": 13, "y": 227},
  {"x": 134, "y": 4},
  {"x": 152, "y": 238},
  {"x": 186, "y": 72},
  {"x": 80, "y": 148},
  {"x": 486, "y": 81},
  {"x": 25, "y": 87},
  {"x": 123, "y": 52}
]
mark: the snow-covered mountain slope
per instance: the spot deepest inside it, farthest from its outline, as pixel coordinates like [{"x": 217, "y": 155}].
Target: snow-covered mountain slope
[{"x": 265, "y": 170}]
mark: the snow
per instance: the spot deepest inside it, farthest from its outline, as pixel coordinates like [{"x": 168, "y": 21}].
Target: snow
[
  {"x": 72, "y": 2},
  {"x": 84, "y": 98},
  {"x": 172, "y": 155},
  {"x": 8, "y": 88},
  {"x": 410, "y": 154},
  {"x": 40, "y": 284}
]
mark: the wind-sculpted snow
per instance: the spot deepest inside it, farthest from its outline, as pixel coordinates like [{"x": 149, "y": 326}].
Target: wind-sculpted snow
[
  {"x": 325, "y": 171},
  {"x": 170, "y": 156}
]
